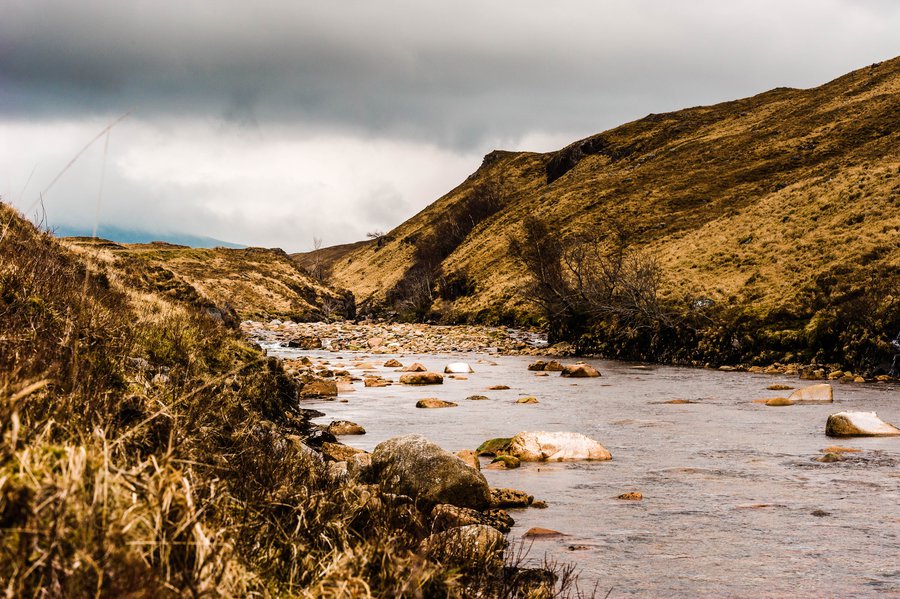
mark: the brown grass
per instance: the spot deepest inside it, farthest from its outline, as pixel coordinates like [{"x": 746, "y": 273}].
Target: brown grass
[{"x": 147, "y": 451}]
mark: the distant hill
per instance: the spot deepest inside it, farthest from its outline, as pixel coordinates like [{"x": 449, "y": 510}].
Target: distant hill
[
  {"x": 257, "y": 283},
  {"x": 779, "y": 211},
  {"x": 120, "y": 235},
  {"x": 323, "y": 260}
]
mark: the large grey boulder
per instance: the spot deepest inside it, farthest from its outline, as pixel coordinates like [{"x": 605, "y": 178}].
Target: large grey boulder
[{"x": 412, "y": 465}]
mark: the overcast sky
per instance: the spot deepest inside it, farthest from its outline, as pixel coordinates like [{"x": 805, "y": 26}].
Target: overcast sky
[{"x": 273, "y": 122}]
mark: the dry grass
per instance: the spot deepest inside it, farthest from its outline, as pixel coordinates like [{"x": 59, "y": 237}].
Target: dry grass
[
  {"x": 147, "y": 451},
  {"x": 254, "y": 283}
]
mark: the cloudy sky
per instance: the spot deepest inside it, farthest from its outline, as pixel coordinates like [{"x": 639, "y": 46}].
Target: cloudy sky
[{"x": 273, "y": 122}]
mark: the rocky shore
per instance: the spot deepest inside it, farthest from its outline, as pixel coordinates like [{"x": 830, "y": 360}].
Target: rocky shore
[
  {"x": 379, "y": 338},
  {"x": 400, "y": 338}
]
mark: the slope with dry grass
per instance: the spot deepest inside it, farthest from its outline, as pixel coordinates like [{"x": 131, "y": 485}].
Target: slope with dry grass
[
  {"x": 146, "y": 450},
  {"x": 783, "y": 206},
  {"x": 255, "y": 283}
]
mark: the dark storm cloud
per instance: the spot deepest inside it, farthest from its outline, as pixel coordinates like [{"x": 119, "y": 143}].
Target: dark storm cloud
[
  {"x": 276, "y": 122},
  {"x": 456, "y": 72}
]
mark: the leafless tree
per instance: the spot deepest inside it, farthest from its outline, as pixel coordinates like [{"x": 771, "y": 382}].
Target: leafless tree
[{"x": 317, "y": 268}]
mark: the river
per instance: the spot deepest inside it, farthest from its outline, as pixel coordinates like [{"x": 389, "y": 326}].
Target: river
[{"x": 735, "y": 503}]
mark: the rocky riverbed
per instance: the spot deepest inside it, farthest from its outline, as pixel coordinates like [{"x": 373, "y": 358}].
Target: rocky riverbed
[
  {"x": 400, "y": 338},
  {"x": 382, "y": 338}
]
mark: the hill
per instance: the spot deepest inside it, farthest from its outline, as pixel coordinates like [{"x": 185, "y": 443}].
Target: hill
[
  {"x": 323, "y": 260},
  {"x": 778, "y": 214},
  {"x": 255, "y": 283},
  {"x": 120, "y": 235}
]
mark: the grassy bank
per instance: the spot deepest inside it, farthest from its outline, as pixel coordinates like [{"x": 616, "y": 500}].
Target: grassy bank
[{"x": 147, "y": 451}]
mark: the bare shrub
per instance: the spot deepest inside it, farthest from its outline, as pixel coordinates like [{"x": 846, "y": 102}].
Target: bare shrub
[{"x": 580, "y": 279}]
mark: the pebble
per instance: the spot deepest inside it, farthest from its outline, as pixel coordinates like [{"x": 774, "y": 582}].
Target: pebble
[{"x": 631, "y": 496}]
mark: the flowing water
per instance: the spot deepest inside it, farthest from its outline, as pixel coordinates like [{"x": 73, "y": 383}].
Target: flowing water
[{"x": 735, "y": 503}]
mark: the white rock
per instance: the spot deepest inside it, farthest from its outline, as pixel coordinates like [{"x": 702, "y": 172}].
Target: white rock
[
  {"x": 458, "y": 368},
  {"x": 813, "y": 394},
  {"x": 859, "y": 424},
  {"x": 556, "y": 447}
]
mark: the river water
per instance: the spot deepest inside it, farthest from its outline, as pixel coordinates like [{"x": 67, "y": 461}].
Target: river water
[{"x": 735, "y": 503}]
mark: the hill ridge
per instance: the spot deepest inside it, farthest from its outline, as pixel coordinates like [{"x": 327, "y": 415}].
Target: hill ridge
[{"x": 743, "y": 202}]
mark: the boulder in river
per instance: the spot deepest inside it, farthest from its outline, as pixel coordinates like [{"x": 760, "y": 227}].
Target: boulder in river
[
  {"x": 345, "y": 427},
  {"x": 859, "y": 424},
  {"x": 434, "y": 402},
  {"x": 376, "y": 381},
  {"x": 421, "y": 378},
  {"x": 393, "y": 364},
  {"x": 504, "y": 462},
  {"x": 537, "y": 531},
  {"x": 458, "y": 368},
  {"x": 529, "y": 399},
  {"x": 502, "y": 498},
  {"x": 339, "y": 452},
  {"x": 631, "y": 496},
  {"x": 537, "y": 366},
  {"x": 319, "y": 388},
  {"x": 779, "y": 401},
  {"x": 493, "y": 447},
  {"x": 579, "y": 371},
  {"x": 813, "y": 394},
  {"x": 556, "y": 447},
  {"x": 414, "y": 367},
  {"x": 412, "y": 465},
  {"x": 553, "y": 366}
]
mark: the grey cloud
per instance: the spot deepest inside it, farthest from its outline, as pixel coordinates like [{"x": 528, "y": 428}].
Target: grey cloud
[
  {"x": 459, "y": 73},
  {"x": 272, "y": 122}
]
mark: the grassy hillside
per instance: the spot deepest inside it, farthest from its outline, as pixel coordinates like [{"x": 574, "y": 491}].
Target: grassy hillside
[
  {"x": 146, "y": 450},
  {"x": 778, "y": 209},
  {"x": 254, "y": 283},
  {"x": 323, "y": 260}
]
